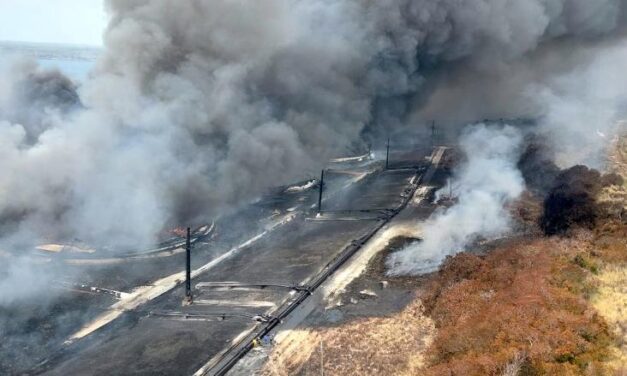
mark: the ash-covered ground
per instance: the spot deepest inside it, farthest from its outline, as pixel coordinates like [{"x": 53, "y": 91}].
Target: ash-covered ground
[{"x": 277, "y": 239}]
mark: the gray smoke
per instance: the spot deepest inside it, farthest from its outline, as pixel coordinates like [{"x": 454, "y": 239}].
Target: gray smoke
[
  {"x": 34, "y": 97},
  {"x": 198, "y": 106},
  {"x": 585, "y": 109}
]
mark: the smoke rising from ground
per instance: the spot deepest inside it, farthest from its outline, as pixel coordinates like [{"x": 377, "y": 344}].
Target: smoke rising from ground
[
  {"x": 573, "y": 90},
  {"x": 197, "y": 106},
  {"x": 486, "y": 181},
  {"x": 572, "y": 200}
]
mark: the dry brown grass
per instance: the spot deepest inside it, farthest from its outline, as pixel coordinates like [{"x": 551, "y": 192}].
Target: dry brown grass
[
  {"x": 615, "y": 197},
  {"x": 543, "y": 306},
  {"x": 610, "y": 301},
  {"x": 520, "y": 300},
  {"x": 374, "y": 346},
  {"x": 610, "y": 249},
  {"x": 368, "y": 346}
]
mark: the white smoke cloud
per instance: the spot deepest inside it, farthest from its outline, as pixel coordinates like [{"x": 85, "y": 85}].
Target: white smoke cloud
[{"x": 486, "y": 182}]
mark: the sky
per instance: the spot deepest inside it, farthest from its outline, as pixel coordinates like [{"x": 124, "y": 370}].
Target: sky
[{"x": 53, "y": 21}]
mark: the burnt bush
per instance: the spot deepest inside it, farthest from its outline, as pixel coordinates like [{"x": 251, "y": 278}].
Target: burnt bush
[
  {"x": 611, "y": 179},
  {"x": 572, "y": 200}
]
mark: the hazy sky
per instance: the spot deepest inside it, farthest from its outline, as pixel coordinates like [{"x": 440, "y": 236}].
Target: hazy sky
[{"x": 53, "y": 21}]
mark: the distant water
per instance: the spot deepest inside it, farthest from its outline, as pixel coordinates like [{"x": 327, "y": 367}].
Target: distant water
[{"x": 74, "y": 61}]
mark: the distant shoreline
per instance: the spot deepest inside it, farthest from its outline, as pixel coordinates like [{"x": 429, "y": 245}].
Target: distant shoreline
[
  {"x": 74, "y": 61},
  {"x": 51, "y": 51},
  {"x": 54, "y": 45}
]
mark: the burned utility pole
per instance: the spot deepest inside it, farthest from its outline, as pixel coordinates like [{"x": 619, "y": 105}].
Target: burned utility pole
[
  {"x": 387, "y": 155},
  {"x": 188, "y": 267},
  {"x": 433, "y": 133},
  {"x": 320, "y": 192}
]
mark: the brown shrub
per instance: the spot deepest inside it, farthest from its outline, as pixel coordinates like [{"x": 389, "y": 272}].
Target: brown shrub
[{"x": 523, "y": 299}]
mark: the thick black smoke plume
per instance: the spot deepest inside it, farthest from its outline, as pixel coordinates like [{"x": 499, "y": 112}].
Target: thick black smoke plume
[
  {"x": 572, "y": 202},
  {"x": 197, "y": 106}
]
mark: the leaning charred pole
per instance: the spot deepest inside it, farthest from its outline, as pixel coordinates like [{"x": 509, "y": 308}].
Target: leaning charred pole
[
  {"x": 320, "y": 192},
  {"x": 387, "y": 155},
  {"x": 188, "y": 266}
]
